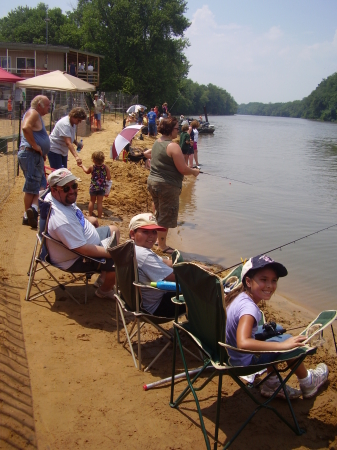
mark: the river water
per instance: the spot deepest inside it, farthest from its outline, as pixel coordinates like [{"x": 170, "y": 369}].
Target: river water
[{"x": 291, "y": 168}]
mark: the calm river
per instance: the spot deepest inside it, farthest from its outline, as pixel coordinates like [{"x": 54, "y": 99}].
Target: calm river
[{"x": 291, "y": 165}]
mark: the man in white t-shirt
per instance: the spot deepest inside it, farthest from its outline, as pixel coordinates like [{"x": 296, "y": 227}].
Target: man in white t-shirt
[
  {"x": 99, "y": 106},
  {"x": 151, "y": 267},
  {"x": 68, "y": 225}
]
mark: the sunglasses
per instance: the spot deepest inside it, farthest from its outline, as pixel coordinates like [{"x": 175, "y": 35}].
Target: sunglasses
[{"x": 66, "y": 189}]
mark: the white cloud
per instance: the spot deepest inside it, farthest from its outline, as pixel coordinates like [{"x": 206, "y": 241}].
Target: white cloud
[{"x": 252, "y": 65}]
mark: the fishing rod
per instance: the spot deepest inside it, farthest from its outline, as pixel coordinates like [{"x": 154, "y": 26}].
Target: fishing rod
[
  {"x": 219, "y": 176},
  {"x": 175, "y": 101},
  {"x": 281, "y": 246}
]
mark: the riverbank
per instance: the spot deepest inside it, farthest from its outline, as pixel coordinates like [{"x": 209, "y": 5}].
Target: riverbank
[{"x": 68, "y": 383}]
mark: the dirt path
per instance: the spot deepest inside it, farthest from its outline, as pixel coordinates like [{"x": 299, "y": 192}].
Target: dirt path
[{"x": 66, "y": 383}]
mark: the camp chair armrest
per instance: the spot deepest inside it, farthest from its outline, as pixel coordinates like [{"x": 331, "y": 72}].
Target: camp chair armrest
[
  {"x": 98, "y": 260},
  {"x": 178, "y": 301},
  {"x": 145, "y": 286},
  {"x": 241, "y": 350}
]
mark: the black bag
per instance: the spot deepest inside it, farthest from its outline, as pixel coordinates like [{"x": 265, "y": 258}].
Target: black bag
[{"x": 269, "y": 331}]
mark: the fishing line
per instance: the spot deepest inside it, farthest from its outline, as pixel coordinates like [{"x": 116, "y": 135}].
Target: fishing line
[
  {"x": 175, "y": 101},
  {"x": 281, "y": 246},
  {"x": 219, "y": 176}
]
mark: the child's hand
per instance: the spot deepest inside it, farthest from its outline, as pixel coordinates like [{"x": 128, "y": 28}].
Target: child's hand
[
  {"x": 79, "y": 162},
  {"x": 293, "y": 342}
]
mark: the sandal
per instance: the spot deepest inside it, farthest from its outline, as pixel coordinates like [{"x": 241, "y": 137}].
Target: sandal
[{"x": 168, "y": 250}]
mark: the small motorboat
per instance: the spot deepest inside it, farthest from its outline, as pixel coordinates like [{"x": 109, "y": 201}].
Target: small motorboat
[{"x": 206, "y": 128}]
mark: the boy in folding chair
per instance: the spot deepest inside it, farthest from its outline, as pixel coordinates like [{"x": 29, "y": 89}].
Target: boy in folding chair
[
  {"x": 68, "y": 225},
  {"x": 151, "y": 267},
  {"x": 259, "y": 281}
]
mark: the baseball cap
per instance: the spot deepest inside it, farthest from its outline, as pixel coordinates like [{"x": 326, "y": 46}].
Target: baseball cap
[
  {"x": 60, "y": 177},
  {"x": 261, "y": 261},
  {"x": 146, "y": 221}
]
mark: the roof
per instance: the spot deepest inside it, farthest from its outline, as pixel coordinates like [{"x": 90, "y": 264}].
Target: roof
[
  {"x": 44, "y": 48},
  {"x": 6, "y": 77}
]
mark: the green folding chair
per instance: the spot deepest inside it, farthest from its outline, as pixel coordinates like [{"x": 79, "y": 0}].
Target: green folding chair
[{"x": 206, "y": 327}]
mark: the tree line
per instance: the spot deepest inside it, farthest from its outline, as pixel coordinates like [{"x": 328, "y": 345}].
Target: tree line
[
  {"x": 321, "y": 104},
  {"x": 142, "y": 42}
]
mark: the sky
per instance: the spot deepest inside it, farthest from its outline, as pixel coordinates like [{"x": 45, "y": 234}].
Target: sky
[{"x": 258, "y": 50}]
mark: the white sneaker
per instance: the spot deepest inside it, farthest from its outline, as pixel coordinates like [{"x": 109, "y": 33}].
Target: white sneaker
[
  {"x": 99, "y": 281},
  {"x": 318, "y": 377},
  {"x": 269, "y": 387},
  {"x": 101, "y": 294}
]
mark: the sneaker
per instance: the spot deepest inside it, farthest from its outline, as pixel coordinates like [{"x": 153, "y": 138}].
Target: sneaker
[
  {"x": 25, "y": 221},
  {"x": 32, "y": 217},
  {"x": 99, "y": 281},
  {"x": 318, "y": 377},
  {"x": 109, "y": 294},
  {"x": 269, "y": 387}
]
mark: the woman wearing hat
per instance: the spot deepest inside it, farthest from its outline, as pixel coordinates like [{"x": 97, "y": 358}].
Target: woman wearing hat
[{"x": 99, "y": 106}]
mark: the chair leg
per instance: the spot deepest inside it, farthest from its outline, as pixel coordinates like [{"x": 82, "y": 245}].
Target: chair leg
[
  {"x": 218, "y": 407},
  {"x": 31, "y": 279},
  {"x": 174, "y": 355},
  {"x": 334, "y": 339},
  {"x": 139, "y": 345},
  {"x": 190, "y": 388},
  {"x": 127, "y": 334}
]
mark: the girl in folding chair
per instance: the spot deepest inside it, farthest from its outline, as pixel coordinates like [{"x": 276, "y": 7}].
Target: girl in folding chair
[{"x": 259, "y": 281}]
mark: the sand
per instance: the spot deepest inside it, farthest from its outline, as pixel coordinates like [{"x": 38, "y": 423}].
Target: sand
[{"x": 65, "y": 381}]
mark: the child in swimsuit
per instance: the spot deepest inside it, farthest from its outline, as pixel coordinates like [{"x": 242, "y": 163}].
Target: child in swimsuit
[{"x": 100, "y": 173}]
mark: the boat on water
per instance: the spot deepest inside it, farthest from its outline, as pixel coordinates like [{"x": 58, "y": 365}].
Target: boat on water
[{"x": 206, "y": 128}]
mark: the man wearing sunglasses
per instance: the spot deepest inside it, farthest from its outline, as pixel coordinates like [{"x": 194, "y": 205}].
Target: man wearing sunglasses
[{"x": 68, "y": 225}]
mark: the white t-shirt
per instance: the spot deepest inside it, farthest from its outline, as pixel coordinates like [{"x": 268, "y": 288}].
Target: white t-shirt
[
  {"x": 98, "y": 106},
  {"x": 151, "y": 268},
  {"x": 196, "y": 134},
  {"x": 64, "y": 225},
  {"x": 62, "y": 129}
]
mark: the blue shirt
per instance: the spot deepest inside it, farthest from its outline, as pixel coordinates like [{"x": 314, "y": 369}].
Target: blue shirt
[{"x": 152, "y": 117}]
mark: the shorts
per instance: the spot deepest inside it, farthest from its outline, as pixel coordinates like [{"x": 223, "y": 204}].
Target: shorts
[
  {"x": 195, "y": 146},
  {"x": 152, "y": 128},
  {"x": 100, "y": 193},
  {"x": 265, "y": 358},
  {"x": 32, "y": 166},
  {"x": 97, "y": 116},
  {"x": 190, "y": 151},
  {"x": 57, "y": 161},
  {"x": 166, "y": 202},
  {"x": 82, "y": 265}
]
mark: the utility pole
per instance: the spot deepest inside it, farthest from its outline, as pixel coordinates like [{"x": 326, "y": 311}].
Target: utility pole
[{"x": 47, "y": 20}]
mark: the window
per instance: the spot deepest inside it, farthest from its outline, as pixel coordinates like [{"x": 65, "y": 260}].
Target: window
[
  {"x": 25, "y": 63},
  {"x": 3, "y": 62}
]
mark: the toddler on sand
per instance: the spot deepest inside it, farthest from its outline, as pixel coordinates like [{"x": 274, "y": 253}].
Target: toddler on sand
[{"x": 100, "y": 173}]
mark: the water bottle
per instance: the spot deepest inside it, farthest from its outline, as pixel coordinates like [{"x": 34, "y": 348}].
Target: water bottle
[{"x": 80, "y": 145}]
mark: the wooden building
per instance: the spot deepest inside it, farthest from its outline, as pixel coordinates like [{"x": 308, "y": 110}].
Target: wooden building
[{"x": 30, "y": 60}]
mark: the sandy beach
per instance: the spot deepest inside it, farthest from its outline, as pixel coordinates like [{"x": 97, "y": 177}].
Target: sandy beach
[{"x": 65, "y": 381}]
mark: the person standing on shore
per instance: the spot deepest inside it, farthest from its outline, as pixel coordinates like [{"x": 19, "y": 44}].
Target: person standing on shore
[
  {"x": 164, "y": 183},
  {"x": 195, "y": 126},
  {"x": 34, "y": 147},
  {"x": 152, "y": 125},
  {"x": 62, "y": 139},
  {"x": 99, "y": 105}
]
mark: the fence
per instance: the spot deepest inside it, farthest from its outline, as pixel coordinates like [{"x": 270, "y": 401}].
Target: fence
[{"x": 62, "y": 103}]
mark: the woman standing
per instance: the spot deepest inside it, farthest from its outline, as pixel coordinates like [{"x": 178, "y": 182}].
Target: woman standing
[
  {"x": 164, "y": 183},
  {"x": 63, "y": 137},
  {"x": 195, "y": 125}
]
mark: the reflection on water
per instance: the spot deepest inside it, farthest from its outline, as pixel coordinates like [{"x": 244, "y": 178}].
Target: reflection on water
[{"x": 292, "y": 166}]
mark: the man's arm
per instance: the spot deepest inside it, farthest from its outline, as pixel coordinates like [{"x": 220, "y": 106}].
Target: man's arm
[
  {"x": 95, "y": 251},
  {"x": 30, "y": 124}
]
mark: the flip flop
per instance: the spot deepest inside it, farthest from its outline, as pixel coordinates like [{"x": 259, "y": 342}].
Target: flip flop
[{"x": 168, "y": 250}]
